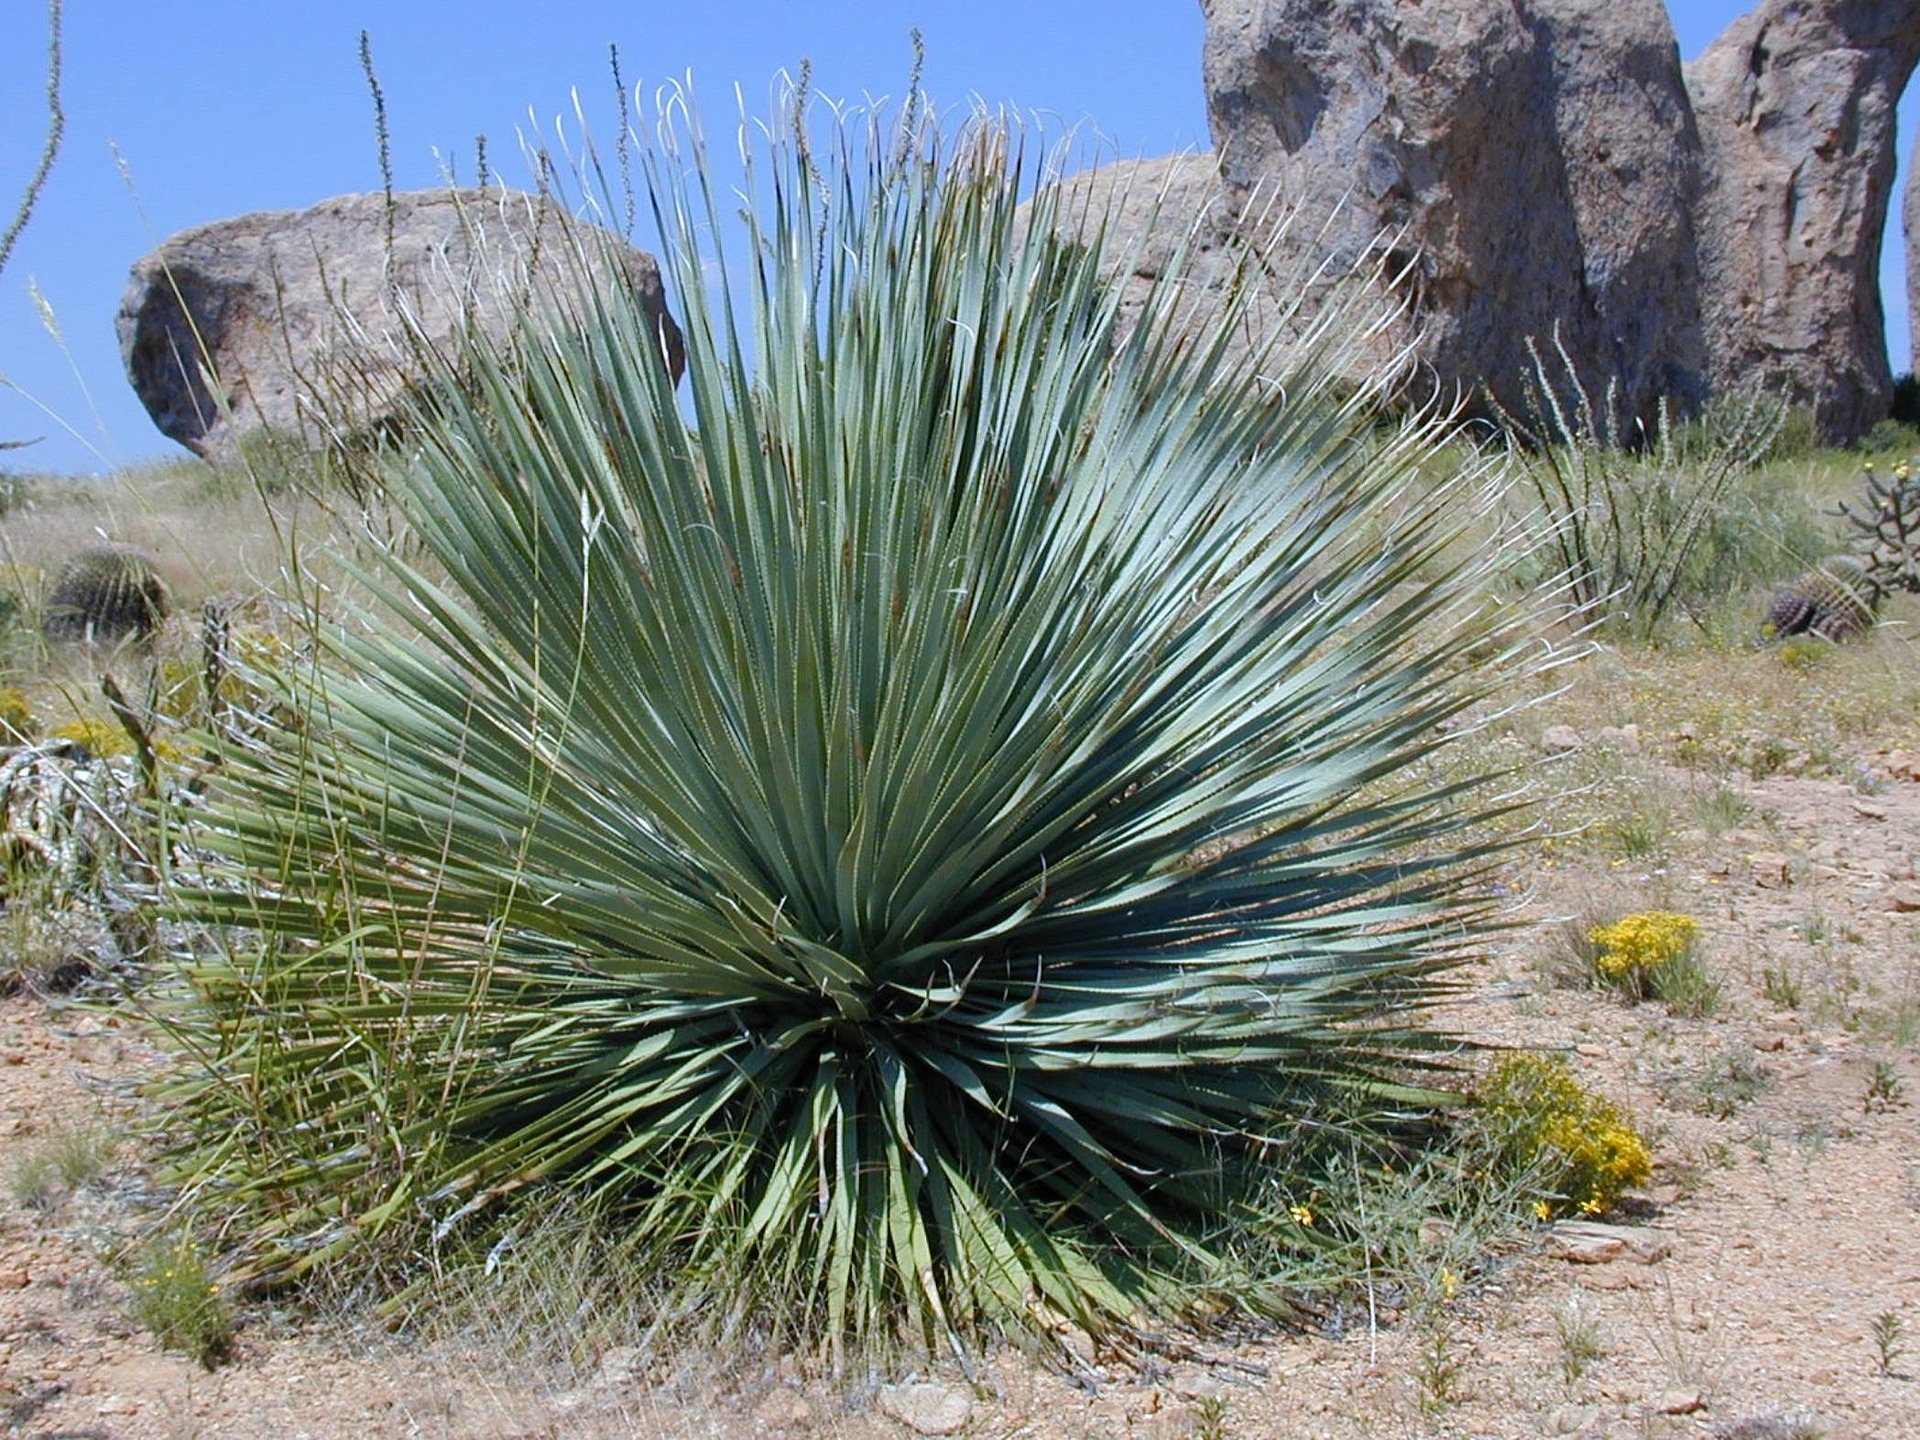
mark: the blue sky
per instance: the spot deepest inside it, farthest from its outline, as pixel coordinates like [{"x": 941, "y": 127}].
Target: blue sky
[{"x": 178, "y": 117}]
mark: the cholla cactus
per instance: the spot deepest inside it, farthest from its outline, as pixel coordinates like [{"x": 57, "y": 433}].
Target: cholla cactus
[
  {"x": 106, "y": 593},
  {"x": 1886, "y": 530},
  {"x": 1839, "y": 598}
]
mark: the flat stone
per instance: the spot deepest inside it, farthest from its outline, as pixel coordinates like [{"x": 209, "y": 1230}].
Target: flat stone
[
  {"x": 1561, "y": 740},
  {"x": 1678, "y": 1401},
  {"x": 1623, "y": 738},
  {"x": 1617, "y": 1275},
  {"x": 1903, "y": 899},
  {"x": 782, "y": 1408},
  {"x": 1771, "y": 870},
  {"x": 1077, "y": 1343},
  {"x": 927, "y": 1409},
  {"x": 1592, "y": 1242},
  {"x": 1572, "y": 1419}
]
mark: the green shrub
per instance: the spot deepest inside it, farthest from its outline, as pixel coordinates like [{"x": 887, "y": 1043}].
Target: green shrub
[
  {"x": 889, "y": 835},
  {"x": 1636, "y": 520},
  {"x": 178, "y": 1301},
  {"x": 1906, "y": 402},
  {"x": 1890, "y": 437},
  {"x": 1765, "y": 526}
]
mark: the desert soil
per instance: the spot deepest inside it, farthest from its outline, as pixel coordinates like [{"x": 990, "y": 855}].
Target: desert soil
[{"x": 1782, "y": 1221}]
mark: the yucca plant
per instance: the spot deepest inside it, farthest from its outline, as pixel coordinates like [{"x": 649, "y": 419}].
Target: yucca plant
[{"x": 892, "y": 830}]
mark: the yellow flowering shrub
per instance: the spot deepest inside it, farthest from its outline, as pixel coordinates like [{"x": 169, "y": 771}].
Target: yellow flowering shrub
[
  {"x": 1583, "y": 1146},
  {"x": 98, "y": 736},
  {"x": 177, "y": 686},
  {"x": 1649, "y": 954},
  {"x": 1641, "y": 943},
  {"x": 16, "y": 715}
]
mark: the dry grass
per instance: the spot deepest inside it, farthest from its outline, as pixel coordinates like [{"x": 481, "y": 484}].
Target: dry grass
[{"x": 215, "y": 534}]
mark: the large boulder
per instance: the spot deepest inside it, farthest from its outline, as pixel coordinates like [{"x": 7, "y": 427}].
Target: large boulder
[
  {"x": 1795, "y": 105},
  {"x": 312, "y": 320},
  {"x": 1530, "y": 165},
  {"x": 1148, "y": 212},
  {"x": 1144, "y": 213}
]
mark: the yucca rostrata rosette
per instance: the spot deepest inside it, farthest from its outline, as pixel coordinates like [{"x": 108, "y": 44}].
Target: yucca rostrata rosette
[{"x": 891, "y": 829}]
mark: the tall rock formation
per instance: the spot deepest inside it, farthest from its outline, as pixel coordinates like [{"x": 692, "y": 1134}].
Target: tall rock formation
[
  {"x": 1910, "y": 223},
  {"x": 1795, "y": 106},
  {"x": 1534, "y": 160}
]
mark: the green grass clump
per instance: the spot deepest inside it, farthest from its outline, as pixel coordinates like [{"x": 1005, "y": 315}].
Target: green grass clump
[
  {"x": 42, "y": 1173},
  {"x": 1582, "y": 1147},
  {"x": 844, "y": 831},
  {"x": 1720, "y": 808},
  {"x": 1640, "y": 523},
  {"x": 1730, "y": 1081}
]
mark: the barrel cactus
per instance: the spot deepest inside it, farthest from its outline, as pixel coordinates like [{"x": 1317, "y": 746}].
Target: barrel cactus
[
  {"x": 1836, "y": 600},
  {"x": 106, "y": 594},
  {"x": 1840, "y": 598}
]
